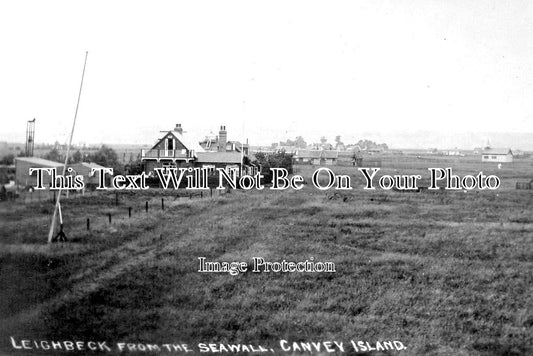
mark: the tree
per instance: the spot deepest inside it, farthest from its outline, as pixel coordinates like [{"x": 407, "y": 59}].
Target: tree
[
  {"x": 279, "y": 159},
  {"x": 323, "y": 140},
  {"x": 289, "y": 142},
  {"x": 8, "y": 159},
  {"x": 76, "y": 157},
  {"x": 300, "y": 142},
  {"x": 53, "y": 155},
  {"x": 105, "y": 156},
  {"x": 368, "y": 144}
]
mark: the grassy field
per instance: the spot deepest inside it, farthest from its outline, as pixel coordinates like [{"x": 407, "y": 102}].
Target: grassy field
[{"x": 446, "y": 273}]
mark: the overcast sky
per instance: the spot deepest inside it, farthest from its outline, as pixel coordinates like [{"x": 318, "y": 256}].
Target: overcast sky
[{"x": 270, "y": 69}]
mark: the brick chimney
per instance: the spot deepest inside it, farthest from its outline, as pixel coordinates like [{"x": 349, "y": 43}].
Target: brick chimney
[
  {"x": 222, "y": 139},
  {"x": 178, "y": 129}
]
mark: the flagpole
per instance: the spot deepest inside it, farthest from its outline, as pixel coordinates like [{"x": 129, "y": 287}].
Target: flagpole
[{"x": 57, "y": 206}]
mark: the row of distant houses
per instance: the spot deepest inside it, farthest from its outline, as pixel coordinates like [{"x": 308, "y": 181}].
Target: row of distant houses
[{"x": 330, "y": 157}]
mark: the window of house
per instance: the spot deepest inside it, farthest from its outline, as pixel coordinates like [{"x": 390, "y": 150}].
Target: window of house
[
  {"x": 170, "y": 143},
  {"x": 486, "y": 157},
  {"x": 494, "y": 157}
]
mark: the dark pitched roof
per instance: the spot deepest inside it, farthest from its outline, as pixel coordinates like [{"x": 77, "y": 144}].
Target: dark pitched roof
[{"x": 187, "y": 141}]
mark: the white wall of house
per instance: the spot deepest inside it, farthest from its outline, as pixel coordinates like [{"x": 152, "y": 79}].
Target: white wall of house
[{"x": 487, "y": 157}]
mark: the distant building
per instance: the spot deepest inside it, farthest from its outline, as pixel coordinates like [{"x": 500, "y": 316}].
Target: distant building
[
  {"x": 374, "y": 150},
  {"x": 23, "y": 165},
  {"x": 354, "y": 148},
  {"x": 496, "y": 155},
  {"x": 316, "y": 157},
  {"x": 84, "y": 169},
  {"x": 453, "y": 153},
  {"x": 287, "y": 149},
  {"x": 212, "y": 143}
]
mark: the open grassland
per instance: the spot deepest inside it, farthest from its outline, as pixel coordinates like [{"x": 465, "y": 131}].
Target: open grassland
[{"x": 448, "y": 273}]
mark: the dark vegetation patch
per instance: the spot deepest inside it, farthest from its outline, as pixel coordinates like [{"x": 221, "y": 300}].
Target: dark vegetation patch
[{"x": 30, "y": 279}]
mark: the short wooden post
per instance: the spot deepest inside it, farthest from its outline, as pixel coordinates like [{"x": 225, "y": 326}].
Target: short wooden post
[
  {"x": 109, "y": 216},
  {"x": 129, "y": 212},
  {"x": 88, "y": 224},
  {"x": 162, "y": 204},
  {"x": 146, "y": 207},
  {"x": 201, "y": 194},
  {"x": 211, "y": 190}
]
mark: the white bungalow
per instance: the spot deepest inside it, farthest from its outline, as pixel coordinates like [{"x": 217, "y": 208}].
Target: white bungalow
[{"x": 501, "y": 155}]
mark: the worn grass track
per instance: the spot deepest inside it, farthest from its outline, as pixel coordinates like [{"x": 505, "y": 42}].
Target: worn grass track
[{"x": 443, "y": 274}]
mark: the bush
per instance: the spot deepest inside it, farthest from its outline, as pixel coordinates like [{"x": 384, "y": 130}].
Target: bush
[{"x": 280, "y": 159}]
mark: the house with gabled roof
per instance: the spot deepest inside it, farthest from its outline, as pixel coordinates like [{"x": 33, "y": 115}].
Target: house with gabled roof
[
  {"x": 177, "y": 149},
  {"x": 174, "y": 149},
  {"x": 501, "y": 155},
  {"x": 316, "y": 157}
]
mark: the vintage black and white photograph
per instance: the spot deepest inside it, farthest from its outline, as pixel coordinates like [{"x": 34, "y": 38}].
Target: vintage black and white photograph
[{"x": 266, "y": 178}]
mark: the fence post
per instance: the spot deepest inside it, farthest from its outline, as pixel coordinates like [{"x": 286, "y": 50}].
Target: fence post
[
  {"x": 146, "y": 207},
  {"x": 129, "y": 212},
  {"x": 109, "y": 216},
  {"x": 211, "y": 190},
  {"x": 162, "y": 203},
  {"x": 88, "y": 224}
]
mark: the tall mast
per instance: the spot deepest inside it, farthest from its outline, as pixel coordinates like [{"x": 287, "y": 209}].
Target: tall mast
[
  {"x": 30, "y": 137},
  {"x": 57, "y": 206}
]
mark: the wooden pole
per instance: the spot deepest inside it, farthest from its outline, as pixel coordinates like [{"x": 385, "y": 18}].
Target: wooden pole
[{"x": 52, "y": 226}]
